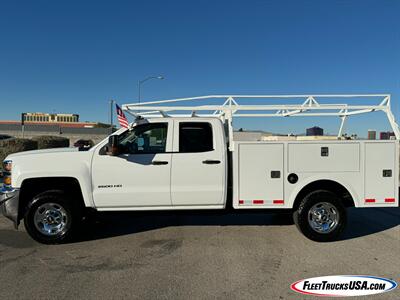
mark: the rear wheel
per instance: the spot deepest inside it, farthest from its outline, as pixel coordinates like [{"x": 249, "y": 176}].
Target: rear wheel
[
  {"x": 321, "y": 216},
  {"x": 51, "y": 219}
]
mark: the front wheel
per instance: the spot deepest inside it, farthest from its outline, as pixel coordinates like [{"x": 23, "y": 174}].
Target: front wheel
[
  {"x": 321, "y": 216},
  {"x": 51, "y": 219}
]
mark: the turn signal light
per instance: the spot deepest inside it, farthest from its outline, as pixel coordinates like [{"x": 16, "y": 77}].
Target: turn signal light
[{"x": 7, "y": 180}]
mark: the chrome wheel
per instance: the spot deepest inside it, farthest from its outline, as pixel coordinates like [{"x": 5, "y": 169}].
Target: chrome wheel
[
  {"x": 323, "y": 217},
  {"x": 51, "y": 219}
]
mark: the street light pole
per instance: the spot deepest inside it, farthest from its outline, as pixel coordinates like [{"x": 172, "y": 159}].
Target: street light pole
[
  {"x": 23, "y": 124},
  {"x": 140, "y": 82}
]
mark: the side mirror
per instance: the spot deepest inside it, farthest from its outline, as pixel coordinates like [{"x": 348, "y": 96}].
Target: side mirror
[{"x": 113, "y": 146}]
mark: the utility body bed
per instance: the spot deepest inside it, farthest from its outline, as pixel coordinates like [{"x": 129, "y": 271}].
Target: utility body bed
[{"x": 367, "y": 169}]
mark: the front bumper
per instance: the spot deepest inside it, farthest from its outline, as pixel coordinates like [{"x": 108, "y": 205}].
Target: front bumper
[{"x": 9, "y": 202}]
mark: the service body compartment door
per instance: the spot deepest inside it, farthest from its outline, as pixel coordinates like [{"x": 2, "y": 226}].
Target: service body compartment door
[
  {"x": 261, "y": 174},
  {"x": 380, "y": 175},
  {"x": 324, "y": 157}
]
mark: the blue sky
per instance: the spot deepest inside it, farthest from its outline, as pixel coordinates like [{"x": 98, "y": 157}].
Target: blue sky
[{"x": 73, "y": 56}]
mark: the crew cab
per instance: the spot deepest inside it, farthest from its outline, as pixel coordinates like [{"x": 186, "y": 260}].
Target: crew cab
[{"x": 192, "y": 162}]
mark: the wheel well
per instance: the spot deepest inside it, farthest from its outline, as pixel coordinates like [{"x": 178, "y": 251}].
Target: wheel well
[
  {"x": 328, "y": 185},
  {"x": 35, "y": 186}
]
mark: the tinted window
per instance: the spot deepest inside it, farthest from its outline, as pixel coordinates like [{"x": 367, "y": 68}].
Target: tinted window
[
  {"x": 145, "y": 139},
  {"x": 195, "y": 137}
]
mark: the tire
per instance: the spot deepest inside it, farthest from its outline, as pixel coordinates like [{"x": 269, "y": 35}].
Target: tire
[
  {"x": 51, "y": 219},
  {"x": 315, "y": 213}
]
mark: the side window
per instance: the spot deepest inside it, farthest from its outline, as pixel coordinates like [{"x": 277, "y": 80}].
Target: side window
[
  {"x": 145, "y": 139},
  {"x": 195, "y": 137}
]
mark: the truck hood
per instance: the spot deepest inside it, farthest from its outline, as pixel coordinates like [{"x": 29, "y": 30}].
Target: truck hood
[
  {"x": 44, "y": 151},
  {"x": 59, "y": 162}
]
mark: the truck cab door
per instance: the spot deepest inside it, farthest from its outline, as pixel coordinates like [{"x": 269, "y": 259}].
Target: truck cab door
[
  {"x": 198, "y": 175},
  {"x": 141, "y": 175}
]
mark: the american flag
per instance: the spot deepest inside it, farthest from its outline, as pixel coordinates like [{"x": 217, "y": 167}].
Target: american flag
[{"x": 121, "y": 117}]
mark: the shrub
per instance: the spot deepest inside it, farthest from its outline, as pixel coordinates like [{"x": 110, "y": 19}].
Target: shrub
[
  {"x": 46, "y": 142},
  {"x": 14, "y": 145}
]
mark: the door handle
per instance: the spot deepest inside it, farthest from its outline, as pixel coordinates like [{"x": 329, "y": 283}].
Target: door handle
[
  {"x": 211, "y": 162},
  {"x": 159, "y": 162}
]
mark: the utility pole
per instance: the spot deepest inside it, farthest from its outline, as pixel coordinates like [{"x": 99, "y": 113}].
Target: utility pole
[{"x": 23, "y": 124}]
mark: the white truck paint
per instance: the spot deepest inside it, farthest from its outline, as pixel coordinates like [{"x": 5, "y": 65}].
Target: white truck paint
[
  {"x": 131, "y": 182},
  {"x": 155, "y": 168}
]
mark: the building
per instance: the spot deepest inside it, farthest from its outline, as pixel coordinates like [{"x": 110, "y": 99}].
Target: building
[
  {"x": 243, "y": 135},
  {"x": 279, "y": 138},
  {"x": 38, "y": 124},
  {"x": 314, "y": 131},
  {"x": 317, "y": 138},
  {"x": 371, "y": 134},
  {"x": 50, "y": 118},
  {"x": 386, "y": 135}
]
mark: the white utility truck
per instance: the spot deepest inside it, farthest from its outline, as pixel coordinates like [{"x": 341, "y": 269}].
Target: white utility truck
[{"x": 181, "y": 157}]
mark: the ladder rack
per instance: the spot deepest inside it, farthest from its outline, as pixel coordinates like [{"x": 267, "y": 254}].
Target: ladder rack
[{"x": 230, "y": 108}]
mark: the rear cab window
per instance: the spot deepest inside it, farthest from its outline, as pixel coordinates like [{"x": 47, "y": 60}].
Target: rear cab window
[{"x": 195, "y": 137}]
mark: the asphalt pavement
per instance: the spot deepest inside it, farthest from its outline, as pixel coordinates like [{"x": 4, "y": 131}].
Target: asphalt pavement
[{"x": 189, "y": 255}]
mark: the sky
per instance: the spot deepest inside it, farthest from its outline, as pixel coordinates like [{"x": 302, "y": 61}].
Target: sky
[{"x": 74, "y": 56}]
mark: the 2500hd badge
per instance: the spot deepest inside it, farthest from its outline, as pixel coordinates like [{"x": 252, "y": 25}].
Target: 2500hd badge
[{"x": 110, "y": 186}]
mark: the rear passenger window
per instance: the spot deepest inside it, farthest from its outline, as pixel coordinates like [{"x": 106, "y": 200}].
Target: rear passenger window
[{"x": 195, "y": 137}]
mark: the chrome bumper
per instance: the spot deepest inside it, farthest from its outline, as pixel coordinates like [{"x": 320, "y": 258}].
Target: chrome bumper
[{"x": 9, "y": 203}]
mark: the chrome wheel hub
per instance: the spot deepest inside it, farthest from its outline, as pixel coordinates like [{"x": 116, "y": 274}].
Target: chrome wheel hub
[
  {"x": 323, "y": 217},
  {"x": 51, "y": 219}
]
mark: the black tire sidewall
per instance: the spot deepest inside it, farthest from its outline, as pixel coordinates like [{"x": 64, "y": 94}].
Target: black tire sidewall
[
  {"x": 50, "y": 197},
  {"x": 300, "y": 216}
]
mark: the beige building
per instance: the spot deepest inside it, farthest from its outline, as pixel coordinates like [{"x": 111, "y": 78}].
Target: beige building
[
  {"x": 50, "y": 118},
  {"x": 299, "y": 138},
  {"x": 250, "y": 135},
  {"x": 268, "y": 136},
  {"x": 317, "y": 138}
]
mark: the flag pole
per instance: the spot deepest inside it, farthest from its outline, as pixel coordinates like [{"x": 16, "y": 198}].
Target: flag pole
[{"x": 111, "y": 115}]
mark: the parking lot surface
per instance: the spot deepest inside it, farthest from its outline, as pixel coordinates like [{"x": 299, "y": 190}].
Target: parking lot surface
[{"x": 189, "y": 255}]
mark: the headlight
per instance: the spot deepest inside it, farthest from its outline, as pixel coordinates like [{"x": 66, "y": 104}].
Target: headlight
[{"x": 7, "y": 165}]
